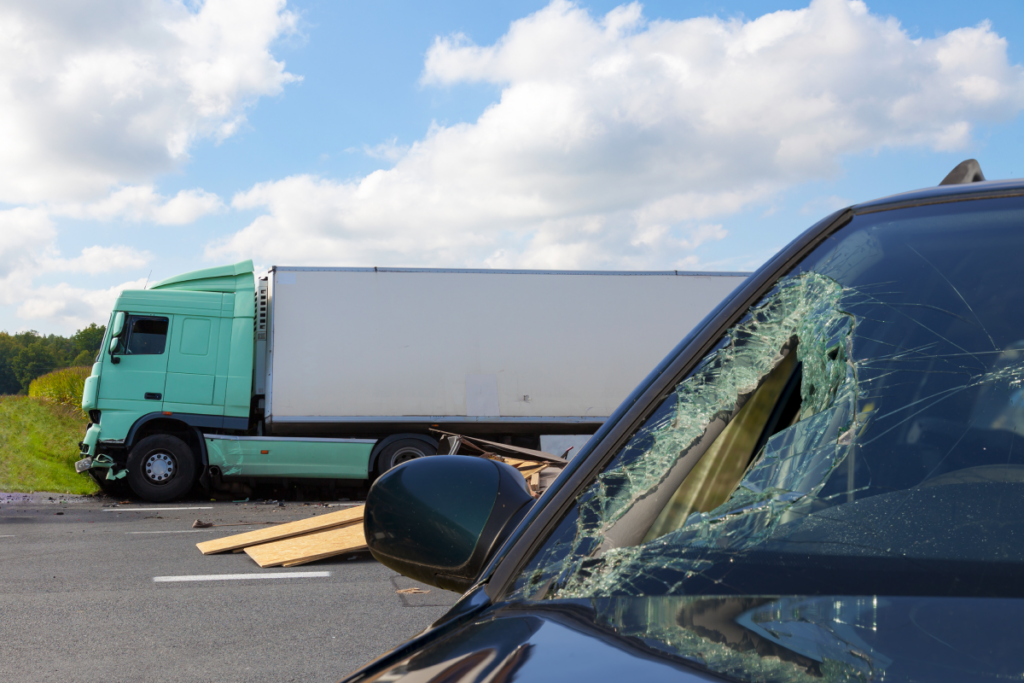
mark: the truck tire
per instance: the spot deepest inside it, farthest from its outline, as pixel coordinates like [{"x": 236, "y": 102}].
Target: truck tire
[
  {"x": 403, "y": 450},
  {"x": 161, "y": 468}
]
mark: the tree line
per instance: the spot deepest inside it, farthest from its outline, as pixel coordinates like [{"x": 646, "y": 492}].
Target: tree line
[{"x": 27, "y": 355}]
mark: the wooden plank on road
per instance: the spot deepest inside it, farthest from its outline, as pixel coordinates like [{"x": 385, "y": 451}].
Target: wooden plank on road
[
  {"x": 309, "y": 548},
  {"x": 331, "y": 520}
]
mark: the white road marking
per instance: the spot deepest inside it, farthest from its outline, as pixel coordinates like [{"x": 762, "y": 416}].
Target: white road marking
[
  {"x": 180, "y": 531},
  {"x": 241, "y": 577},
  {"x": 8, "y": 536},
  {"x": 151, "y": 509}
]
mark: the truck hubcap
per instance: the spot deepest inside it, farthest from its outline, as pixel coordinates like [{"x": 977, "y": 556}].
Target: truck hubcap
[
  {"x": 405, "y": 455},
  {"x": 159, "y": 467}
]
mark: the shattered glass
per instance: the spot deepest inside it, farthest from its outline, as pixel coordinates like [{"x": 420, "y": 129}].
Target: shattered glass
[{"x": 896, "y": 468}]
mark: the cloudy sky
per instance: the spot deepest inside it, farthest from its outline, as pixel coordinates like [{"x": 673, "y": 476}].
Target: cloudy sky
[{"x": 143, "y": 138}]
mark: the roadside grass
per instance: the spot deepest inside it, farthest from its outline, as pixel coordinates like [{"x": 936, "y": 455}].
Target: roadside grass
[
  {"x": 38, "y": 446},
  {"x": 63, "y": 387}
]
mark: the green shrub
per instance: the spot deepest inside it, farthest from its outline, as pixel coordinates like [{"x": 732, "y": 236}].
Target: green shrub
[{"x": 63, "y": 387}]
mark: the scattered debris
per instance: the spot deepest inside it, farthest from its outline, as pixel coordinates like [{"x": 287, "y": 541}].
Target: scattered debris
[
  {"x": 292, "y": 552},
  {"x": 411, "y": 591},
  {"x": 537, "y": 467},
  {"x": 338, "y": 533},
  {"x": 350, "y": 516}
]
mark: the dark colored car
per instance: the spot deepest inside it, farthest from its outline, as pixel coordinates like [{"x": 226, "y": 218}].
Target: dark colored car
[{"x": 823, "y": 482}]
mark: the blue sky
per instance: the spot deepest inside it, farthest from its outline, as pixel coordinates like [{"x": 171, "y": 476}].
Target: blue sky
[{"x": 502, "y": 134}]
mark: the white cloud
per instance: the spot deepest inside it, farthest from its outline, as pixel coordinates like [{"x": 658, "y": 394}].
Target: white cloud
[
  {"x": 143, "y": 203},
  {"x": 72, "y": 307},
  {"x": 389, "y": 150},
  {"x": 617, "y": 141},
  {"x": 97, "y": 94},
  {"x": 28, "y": 249},
  {"x": 95, "y": 260},
  {"x": 24, "y": 235}
]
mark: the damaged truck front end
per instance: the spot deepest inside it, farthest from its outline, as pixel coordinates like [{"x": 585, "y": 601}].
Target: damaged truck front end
[
  {"x": 98, "y": 460},
  {"x": 175, "y": 366}
]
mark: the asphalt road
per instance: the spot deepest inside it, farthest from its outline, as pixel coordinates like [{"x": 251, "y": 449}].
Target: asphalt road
[{"x": 78, "y": 600}]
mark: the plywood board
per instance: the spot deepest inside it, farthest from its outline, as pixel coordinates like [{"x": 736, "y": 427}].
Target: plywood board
[
  {"x": 331, "y": 520},
  {"x": 309, "y": 548},
  {"x": 527, "y": 473}
]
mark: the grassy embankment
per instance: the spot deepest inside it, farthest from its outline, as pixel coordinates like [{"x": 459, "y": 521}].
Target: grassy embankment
[{"x": 39, "y": 434}]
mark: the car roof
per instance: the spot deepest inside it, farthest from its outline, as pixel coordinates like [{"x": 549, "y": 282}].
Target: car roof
[{"x": 940, "y": 192}]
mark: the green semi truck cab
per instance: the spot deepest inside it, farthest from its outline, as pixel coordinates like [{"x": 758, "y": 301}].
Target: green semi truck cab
[{"x": 170, "y": 398}]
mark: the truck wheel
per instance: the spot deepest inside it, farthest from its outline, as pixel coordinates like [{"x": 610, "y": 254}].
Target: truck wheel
[
  {"x": 161, "y": 468},
  {"x": 403, "y": 450}
]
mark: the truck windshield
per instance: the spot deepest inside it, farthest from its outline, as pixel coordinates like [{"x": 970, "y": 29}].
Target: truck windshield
[{"x": 859, "y": 432}]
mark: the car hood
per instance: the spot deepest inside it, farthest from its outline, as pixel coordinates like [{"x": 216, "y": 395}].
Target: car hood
[{"x": 816, "y": 638}]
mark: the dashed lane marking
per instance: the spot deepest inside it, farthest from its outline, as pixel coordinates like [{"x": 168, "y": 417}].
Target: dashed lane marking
[
  {"x": 178, "y": 531},
  {"x": 151, "y": 509},
  {"x": 240, "y": 577}
]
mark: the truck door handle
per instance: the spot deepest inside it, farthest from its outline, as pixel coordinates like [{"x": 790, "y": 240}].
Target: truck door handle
[{"x": 153, "y": 397}]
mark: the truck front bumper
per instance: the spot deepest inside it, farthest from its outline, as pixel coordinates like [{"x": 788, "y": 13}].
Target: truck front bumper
[
  {"x": 92, "y": 460},
  {"x": 88, "y": 444}
]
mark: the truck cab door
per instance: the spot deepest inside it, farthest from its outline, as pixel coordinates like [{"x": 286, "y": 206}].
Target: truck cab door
[
  {"x": 192, "y": 363},
  {"x": 135, "y": 372}
]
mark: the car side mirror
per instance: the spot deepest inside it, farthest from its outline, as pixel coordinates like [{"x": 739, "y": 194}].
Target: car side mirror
[{"x": 439, "y": 520}]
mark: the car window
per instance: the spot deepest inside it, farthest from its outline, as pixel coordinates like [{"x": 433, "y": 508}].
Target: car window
[
  {"x": 859, "y": 431},
  {"x": 147, "y": 335}
]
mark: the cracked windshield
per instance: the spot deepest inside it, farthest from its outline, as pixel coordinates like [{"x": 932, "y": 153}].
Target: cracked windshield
[{"x": 859, "y": 431}]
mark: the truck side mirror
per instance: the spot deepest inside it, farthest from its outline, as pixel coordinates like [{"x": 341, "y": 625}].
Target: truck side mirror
[
  {"x": 439, "y": 520},
  {"x": 118, "y": 325},
  {"x": 116, "y": 328}
]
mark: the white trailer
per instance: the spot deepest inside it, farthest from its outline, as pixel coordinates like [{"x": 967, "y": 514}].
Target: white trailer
[
  {"x": 370, "y": 352},
  {"x": 339, "y": 374}
]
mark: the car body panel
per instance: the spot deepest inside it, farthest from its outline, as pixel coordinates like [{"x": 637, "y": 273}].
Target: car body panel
[{"x": 793, "y": 638}]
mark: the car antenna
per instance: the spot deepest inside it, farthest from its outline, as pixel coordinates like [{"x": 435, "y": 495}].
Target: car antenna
[
  {"x": 968, "y": 171},
  {"x": 145, "y": 286}
]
